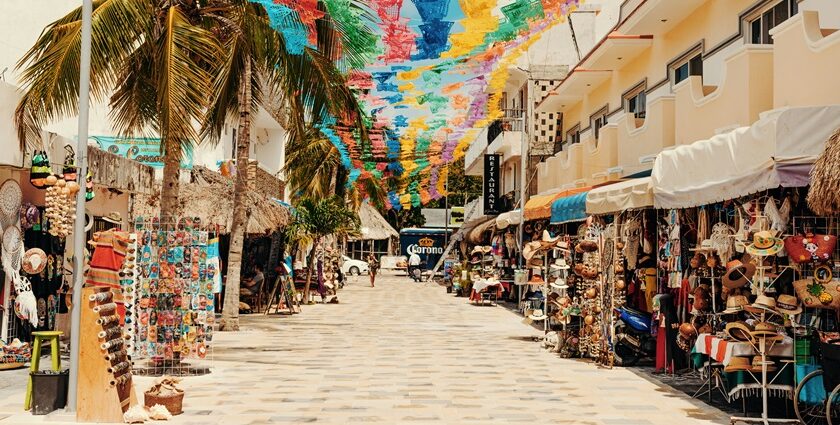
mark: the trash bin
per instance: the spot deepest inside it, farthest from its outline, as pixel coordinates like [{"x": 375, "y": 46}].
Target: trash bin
[{"x": 49, "y": 391}]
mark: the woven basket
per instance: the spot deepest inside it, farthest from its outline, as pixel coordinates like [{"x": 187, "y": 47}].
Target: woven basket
[{"x": 173, "y": 403}]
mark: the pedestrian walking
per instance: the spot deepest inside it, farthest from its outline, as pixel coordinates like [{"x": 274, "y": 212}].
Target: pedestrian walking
[
  {"x": 373, "y": 268},
  {"x": 414, "y": 264}
]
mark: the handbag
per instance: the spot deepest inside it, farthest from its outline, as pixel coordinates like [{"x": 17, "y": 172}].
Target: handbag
[
  {"x": 810, "y": 247},
  {"x": 814, "y": 294},
  {"x": 40, "y": 169},
  {"x": 70, "y": 170}
]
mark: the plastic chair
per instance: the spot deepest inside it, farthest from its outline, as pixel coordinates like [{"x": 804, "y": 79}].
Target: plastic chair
[{"x": 52, "y": 337}]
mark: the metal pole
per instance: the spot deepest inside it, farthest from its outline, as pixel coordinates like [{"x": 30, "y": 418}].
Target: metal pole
[
  {"x": 446, "y": 212},
  {"x": 79, "y": 230}
]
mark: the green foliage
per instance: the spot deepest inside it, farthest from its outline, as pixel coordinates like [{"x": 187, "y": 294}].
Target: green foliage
[{"x": 316, "y": 218}]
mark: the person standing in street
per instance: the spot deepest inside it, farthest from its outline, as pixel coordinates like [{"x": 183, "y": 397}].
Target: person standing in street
[
  {"x": 373, "y": 268},
  {"x": 413, "y": 264}
]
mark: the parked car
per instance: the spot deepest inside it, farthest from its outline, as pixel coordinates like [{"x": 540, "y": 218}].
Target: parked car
[{"x": 353, "y": 267}]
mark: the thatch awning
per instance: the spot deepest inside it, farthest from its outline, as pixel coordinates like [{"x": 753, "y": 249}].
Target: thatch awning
[
  {"x": 373, "y": 225},
  {"x": 210, "y": 197},
  {"x": 824, "y": 195}
]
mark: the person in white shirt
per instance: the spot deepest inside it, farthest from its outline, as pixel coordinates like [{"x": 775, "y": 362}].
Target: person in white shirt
[{"x": 413, "y": 263}]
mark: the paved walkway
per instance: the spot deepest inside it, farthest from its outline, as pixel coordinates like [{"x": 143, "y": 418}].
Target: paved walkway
[{"x": 408, "y": 353}]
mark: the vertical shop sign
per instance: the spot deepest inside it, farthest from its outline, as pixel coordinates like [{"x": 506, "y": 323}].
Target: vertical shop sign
[{"x": 491, "y": 184}]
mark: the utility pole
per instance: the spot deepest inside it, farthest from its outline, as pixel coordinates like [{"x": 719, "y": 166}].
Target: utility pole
[
  {"x": 523, "y": 163},
  {"x": 79, "y": 229}
]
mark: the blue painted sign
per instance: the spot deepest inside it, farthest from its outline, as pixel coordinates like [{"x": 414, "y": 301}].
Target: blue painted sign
[{"x": 144, "y": 150}]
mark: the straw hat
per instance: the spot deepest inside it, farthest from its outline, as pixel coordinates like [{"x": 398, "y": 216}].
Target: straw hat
[
  {"x": 34, "y": 261},
  {"x": 537, "y": 316},
  {"x": 767, "y": 331},
  {"x": 560, "y": 264},
  {"x": 763, "y": 304},
  {"x": 765, "y": 243},
  {"x": 735, "y": 304},
  {"x": 559, "y": 284},
  {"x": 739, "y": 331},
  {"x": 757, "y": 363},
  {"x": 738, "y": 364},
  {"x": 788, "y": 304},
  {"x": 546, "y": 237},
  {"x": 113, "y": 217},
  {"x": 738, "y": 274},
  {"x": 536, "y": 280},
  {"x": 531, "y": 249}
]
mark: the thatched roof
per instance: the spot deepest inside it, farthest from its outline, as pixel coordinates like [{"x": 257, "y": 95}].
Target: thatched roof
[
  {"x": 373, "y": 225},
  {"x": 210, "y": 197},
  {"x": 824, "y": 195}
]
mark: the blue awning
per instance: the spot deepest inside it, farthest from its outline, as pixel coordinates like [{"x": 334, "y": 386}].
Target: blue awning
[{"x": 569, "y": 208}]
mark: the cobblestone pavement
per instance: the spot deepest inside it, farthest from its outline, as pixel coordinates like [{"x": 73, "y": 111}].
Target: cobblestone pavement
[{"x": 406, "y": 353}]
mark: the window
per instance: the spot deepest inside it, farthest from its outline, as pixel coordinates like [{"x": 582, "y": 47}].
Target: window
[
  {"x": 635, "y": 101},
  {"x": 768, "y": 17},
  {"x": 693, "y": 65},
  {"x": 573, "y": 135},
  {"x": 597, "y": 121}
]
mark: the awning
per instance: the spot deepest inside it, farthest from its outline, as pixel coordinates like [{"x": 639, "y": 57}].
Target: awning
[
  {"x": 475, "y": 236},
  {"x": 511, "y": 218},
  {"x": 778, "y": 150},
  {"x": 569, "y": 208},
  {"x": 539, "y": 206},
  {"x": 627, "y": 195}
]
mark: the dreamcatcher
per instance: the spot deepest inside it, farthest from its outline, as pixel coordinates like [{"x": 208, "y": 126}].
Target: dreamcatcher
[
  {"x": 10, "y": 200},
  {"x": 26, "y": 306}
]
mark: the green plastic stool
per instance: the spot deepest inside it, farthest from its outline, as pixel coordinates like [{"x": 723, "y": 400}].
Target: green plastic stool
[{"x": 52, "y": 337}]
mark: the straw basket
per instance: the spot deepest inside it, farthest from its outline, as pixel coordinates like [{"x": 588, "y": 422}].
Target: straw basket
[{"x": 173, "y": 403}]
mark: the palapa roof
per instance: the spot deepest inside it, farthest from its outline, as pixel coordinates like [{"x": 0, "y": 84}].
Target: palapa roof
[
  {"x": 209, "y": 196},
  {"x": 373, "y": 225},
  {"x": 824, "y": 195}
]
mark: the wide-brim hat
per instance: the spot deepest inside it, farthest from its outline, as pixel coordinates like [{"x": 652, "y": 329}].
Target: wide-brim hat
[
  {"x": 788, "y": 304},
  {"x": 34, "y": 261},
  {"x": 559, "y": 284},
  {"x": 531, "y": 249},
  {"x": 738, "y": 274},
  {"x": 767, "y": 331},
  {"x": 755, "y": 367},
  {"x": 739, "y": 331},
  {"x": 546, "y": 237},
  {"x": 537, "y": 315},
  {"x": 536, "y": 280},
  {"x": 738, "y": 364},
  {"x": 113, "y": 217},
  {"x": 560, "y": 264},
  {"x": 476, "y": 250},
  {"x": 735, "y": 304},
  {"x": 763, "y": 304},
  {"x": 765, "y": 243}
]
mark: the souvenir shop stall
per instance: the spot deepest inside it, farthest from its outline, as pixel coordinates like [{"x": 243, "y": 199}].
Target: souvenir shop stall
[{"x": 745, "y": 268}]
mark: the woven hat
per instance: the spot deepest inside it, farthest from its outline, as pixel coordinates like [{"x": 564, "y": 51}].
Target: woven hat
[
  {"x": 738, "y": 274},
  {"x": 763, "y": 304},
  {"x": 560, "y": 264},
  {"x": 735, "y": 304},
  {"x": 739, "y": 331},
  {"x": 765, "y": 243},
  {"x": 113, "y": 217},
  {"x": 788, "y": 304},
  {"x": 738, "y": 364},
  {"x": 34, "y": 261},
  {"x": 531, "y": 249},
  {"x": 537, "y": 315},
  {"x": 559, "y": 284},
  {"x": 536, "y": 280},
  {"x": 767, "y": 331},
  {"x": 757, "y": 363}
]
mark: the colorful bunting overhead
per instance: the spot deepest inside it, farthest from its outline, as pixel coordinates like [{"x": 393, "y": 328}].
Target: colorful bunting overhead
[{"x": 427, "y": 90}]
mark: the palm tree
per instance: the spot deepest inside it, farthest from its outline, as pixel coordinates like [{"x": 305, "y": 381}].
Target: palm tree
[
  {"x": 151, "y": 59},
  {"x": 257, "y": 65},
  {"x": 315, "y": 219}
]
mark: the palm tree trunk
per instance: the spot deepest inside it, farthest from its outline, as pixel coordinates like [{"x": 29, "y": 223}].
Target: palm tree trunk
[
  {"x": 171, "y": 182},
  {"x": 311, "y": 265},
  {"x": 230, "y": 313}
]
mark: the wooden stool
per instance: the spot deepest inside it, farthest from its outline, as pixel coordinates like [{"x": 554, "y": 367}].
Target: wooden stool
[{"x": 52, "y": 337}]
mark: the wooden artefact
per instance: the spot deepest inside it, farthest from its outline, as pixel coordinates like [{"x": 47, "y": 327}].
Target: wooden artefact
[{"x": 98, "y": 400}]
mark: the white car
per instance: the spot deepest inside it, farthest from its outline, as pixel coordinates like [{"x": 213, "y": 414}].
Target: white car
[{"x": 353, "y": 267}]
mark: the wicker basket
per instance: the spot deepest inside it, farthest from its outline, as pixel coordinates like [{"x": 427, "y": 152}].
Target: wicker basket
[{"x": 173, "y": 403}]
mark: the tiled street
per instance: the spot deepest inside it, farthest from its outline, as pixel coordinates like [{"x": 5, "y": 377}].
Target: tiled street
[{"x": 408, "y": 353}]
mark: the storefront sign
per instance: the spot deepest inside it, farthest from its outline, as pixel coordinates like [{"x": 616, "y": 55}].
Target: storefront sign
[
  {"x": 143, "y": 150},
  {"x": 429, "y": 244},
  {"x": 492, "y": 184}
]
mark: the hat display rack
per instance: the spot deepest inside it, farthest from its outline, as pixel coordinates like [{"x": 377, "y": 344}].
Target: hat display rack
[
  {"x": 763, "y": 341},
  {"x": 590, "y": 290},
  {"x": 173, "y": 301}
]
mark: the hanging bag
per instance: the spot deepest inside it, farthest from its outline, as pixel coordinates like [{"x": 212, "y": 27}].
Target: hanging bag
[
  {"x": 808, "y": 247},
  {"x": 40, "y": 169},
  {"x": 70, "y": 170}
]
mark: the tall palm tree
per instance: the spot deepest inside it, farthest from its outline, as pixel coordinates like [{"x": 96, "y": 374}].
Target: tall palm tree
[
  {"x": 151, "y": 59},
  {"x": 315, "y": 219},
  {"x": 257, "y": 63}
]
